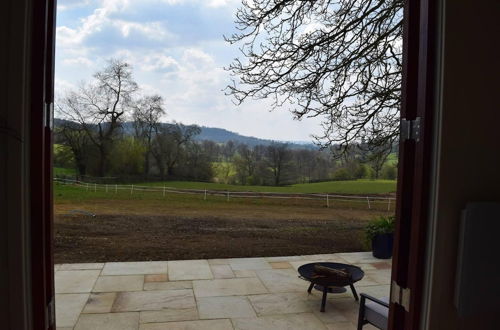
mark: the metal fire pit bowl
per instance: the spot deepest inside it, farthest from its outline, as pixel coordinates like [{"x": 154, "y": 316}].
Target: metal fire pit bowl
[{"x": 327, "y": 285}]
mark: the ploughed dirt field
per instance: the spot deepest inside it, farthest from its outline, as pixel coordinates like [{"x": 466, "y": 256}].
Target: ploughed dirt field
[
  {"x": 149, "y": 226},
  {"x": 83, "y": 238}
]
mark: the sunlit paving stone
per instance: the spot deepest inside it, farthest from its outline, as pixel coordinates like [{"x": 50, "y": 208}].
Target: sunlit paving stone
[
  {"x": 109, "y": 321},
  {"x": 176, "y": 285},
  {"x": 119, "y": 283},
  {"x": 271, "y": 298},
  {"x": 282, "y": 280},
  {"x": 189, "y": 270},
  {"x": 69, "y": 307},
  {"x": 100, "y": 303},
  {"x": 224, "y": 307},
  {"x": 135, "y": 268},
  {"x": 83, "y": 266},
  {"x": 75, "y": 281},
  {"x": 228, "y": 287},
  {"x": 300, "y": 321},
  {"x": 222, "y": 271},
  {"x": 155, "y": 278},
  {"x": 280, "y": 303},
  {"x": 249, "y": 264},
  {"x": 169, "y": 315},
  {"x": 190, "y": 325},
  {"x": 153, "y": 300},
  {"x": 280, "y": 265}
]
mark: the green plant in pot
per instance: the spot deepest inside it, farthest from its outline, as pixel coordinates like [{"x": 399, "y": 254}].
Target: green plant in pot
[{"x": 380, "y": 232}]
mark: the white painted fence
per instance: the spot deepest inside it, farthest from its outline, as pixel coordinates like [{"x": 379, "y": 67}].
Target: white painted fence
[{"x": 330, "y": 199}]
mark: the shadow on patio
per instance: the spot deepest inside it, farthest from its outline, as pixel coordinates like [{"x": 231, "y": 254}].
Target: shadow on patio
[{"x": 219, "y": 294}]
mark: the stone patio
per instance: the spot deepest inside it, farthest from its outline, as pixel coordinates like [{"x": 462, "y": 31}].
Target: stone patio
[{"x": 219, "y": 294}]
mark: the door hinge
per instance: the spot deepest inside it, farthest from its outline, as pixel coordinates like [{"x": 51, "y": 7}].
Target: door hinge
[
  {"x": 48, "y": 114},
  {"x": 410, "y": 129},
  {"x": 51, "y": 314},
  {"x": 400, "y": 296}
]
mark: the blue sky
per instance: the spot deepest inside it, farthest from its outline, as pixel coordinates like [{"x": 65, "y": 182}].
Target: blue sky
[{"x": 177, "y": 50}]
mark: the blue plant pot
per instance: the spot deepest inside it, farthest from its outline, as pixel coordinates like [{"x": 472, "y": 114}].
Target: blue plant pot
[{"x": 382, "y": 246}]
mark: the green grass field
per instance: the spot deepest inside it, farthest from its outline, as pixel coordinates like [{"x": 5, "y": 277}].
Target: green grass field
[
  {"x": 338, "y": 187},
  {"x": 61, "y": 171}
]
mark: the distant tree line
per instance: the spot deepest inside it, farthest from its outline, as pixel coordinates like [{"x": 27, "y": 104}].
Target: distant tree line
[{"x": 91, "y": 138}]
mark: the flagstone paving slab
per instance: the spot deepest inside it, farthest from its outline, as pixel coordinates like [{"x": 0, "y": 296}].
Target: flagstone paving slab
[
  {"x": 245, "y": 273},
  {"x": 249, "y": 264},
  {"x": 81, "y": 266},
  {"x": 228, "y": 287},
  {"x": 222, "y": 271},
  {"x": 155, "y": 278},
  {"x": 75, "y": 281},
  {"x": 301, "y": 321},
  {"x": 224, "y": 307},
  {"x": 258, "y": 293},
  {"x": 284, "y": 258},
  {"x": 135, "y": 268},
  {"x": 108, "y": 321},
  {"x": 358, "y": 257},
  {"x": 280, "y": 265},
  {"x": 224, "y": 324},
  {"x": 183, "y": 270},
  {"x": 69, "y": 307},
  {"x": 153, "y": 300},
  {"x": 176, "y": 285},
  {"x": 280, "y": 303},
  {"x": 100, "y": 303},
  {"x": 168, "y": 315},
  {"x": 282, "y": 280},
  {"x": 119, "y": 283}
]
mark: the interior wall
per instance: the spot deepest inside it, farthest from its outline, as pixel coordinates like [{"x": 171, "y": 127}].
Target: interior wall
[
  {"x": 469, "y": 154},
  {"x": 14, "y": 175}
]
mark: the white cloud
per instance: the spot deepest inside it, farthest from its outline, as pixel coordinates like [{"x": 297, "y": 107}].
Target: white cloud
[
  {"x": 71, "y": 4},
  {"x": 208, "y": 3},
  {"x": 79, "y": 61},
  {"x": 187, "y": 71}
]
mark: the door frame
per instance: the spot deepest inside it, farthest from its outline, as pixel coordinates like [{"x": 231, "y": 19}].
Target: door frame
[
  {"x": 419, "y": 101},
  {"x": 42, "y": 45}
]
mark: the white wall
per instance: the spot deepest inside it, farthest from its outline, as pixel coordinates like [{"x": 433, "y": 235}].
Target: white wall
[{"x": 469, "y": 158}]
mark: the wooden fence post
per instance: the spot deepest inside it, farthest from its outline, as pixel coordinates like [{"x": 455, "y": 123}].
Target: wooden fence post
[
  {"x": 368, "y": 200},
  {"x": 327, "y": 201}
]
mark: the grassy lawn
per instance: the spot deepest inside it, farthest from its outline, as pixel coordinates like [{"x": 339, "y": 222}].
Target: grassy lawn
[
  {"x": 339, "y": 187},
  {"x": 69, "y": 197},
  {"x": 61, "y": 171}
]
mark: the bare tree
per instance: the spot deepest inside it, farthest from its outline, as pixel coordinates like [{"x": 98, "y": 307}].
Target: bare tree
[
  {"x": 74, "y": 136},
  {"x": 147, "y": 114},
  {"x": 278, "y": 156},
  {"x": 339, "y": 60},
  {"x": 100, "y": 106},
  {"x": 377, "y": 158},
  {"x": 169, "y": 145}
]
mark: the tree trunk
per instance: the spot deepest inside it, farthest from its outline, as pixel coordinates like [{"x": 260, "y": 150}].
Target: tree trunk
[{"x": 102, "y": 161}]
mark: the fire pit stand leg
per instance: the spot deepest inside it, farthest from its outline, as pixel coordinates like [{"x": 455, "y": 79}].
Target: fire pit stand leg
[
  {"x": 310, "y": 288},
  {"x": 355, "y": 294},
  {"x": 323, "y": 301}
]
